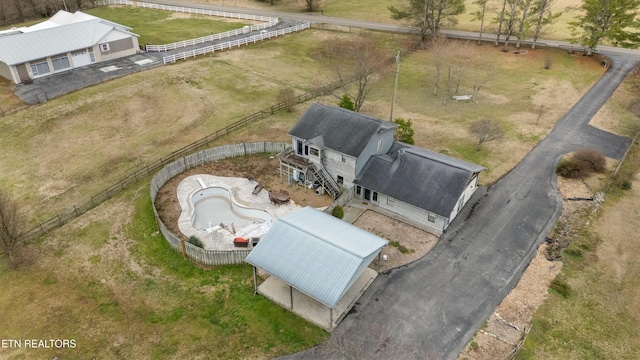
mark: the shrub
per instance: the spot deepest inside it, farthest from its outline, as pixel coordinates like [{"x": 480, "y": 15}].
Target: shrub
[
  {"x": 404, "y": 132},
  {"x": 338, "y": 212},
  {"x": 286, "y": 97},
  {"x": 582, "y": 163},
  {"x": 568, "y": 169},
  {"x": 626, "y": 185},
  {"x": 474, "y": 346},
  {"x": 590, "y": 159},
  {"x": 347, "y": 103},
  {"x": 194, "y": 240}
]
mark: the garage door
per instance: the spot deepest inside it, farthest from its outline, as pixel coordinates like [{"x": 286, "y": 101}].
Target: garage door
[{"x": 82, "y": 58}]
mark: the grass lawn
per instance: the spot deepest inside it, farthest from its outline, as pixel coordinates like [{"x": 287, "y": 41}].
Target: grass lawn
[
  {"x": 377, "y": 10},
  {"x": 110, "y": 281},
  {"x": 159, "y": 27}
]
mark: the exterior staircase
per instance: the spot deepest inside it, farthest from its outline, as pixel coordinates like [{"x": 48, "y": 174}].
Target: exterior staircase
[{"x": 330, "y": 185}]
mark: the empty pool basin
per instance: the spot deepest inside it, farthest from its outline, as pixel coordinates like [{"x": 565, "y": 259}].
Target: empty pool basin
[{"x": 214, "y": 206}]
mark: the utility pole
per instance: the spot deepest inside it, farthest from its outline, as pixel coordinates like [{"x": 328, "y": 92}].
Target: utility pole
[{"x": 395, "y": 86}]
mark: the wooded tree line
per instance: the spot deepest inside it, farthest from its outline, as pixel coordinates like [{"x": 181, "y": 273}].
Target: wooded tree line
[
  {"x": 17, "y": 11},
  {"x": 617, "y": 21}
]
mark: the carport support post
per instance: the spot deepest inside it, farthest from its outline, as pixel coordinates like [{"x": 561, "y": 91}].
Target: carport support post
[
  {"x": 255, "y": 281},
  {"x": 330, "y": 318},
  {"x": 379, "y": 254},
  {"x": 291, "y": 296}
]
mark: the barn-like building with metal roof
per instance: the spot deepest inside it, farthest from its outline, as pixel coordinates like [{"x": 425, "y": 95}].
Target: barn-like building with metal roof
[{"x": 63, "y": 42}]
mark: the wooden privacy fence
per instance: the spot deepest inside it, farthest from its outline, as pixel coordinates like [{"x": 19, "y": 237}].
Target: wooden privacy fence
[
  {"x": 204, "y": 39},
  {"x": 234, "y": 43},
  {"x": 195, "y": 253}
]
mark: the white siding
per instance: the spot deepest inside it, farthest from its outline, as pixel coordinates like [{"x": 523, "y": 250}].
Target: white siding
[
  {"x": 411, "y": 212},
  {"x": 464, "y": 198},
  {"x": 332, "y": 162},
  {"x": 5, "y": 71}
]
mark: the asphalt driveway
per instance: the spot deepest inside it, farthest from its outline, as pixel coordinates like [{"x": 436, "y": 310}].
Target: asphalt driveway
[{"x": 432, "y": 307}]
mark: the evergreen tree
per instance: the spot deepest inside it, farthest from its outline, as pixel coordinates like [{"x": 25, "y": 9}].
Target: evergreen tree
[
  {"x": 347, "y": 103},
  {"x": 616, "y": 21}
]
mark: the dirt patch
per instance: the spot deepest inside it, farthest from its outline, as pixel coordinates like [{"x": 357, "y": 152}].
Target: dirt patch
[
  {"x": 406, "y": 243},
  {"x": 263, "y": 168}
]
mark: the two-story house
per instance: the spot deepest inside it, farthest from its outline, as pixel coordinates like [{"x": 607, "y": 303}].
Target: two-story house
[
  {"x": 334, "y": 149},
  {"x": 331, "y": 145}
]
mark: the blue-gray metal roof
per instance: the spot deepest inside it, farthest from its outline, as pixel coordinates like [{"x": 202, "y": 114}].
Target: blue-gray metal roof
[
  {"x": 33, "y": 45},
  {"x": 342, "y": 130},
  {"x": 316, "y": 253},
  {"x": 420, "y": 177}
]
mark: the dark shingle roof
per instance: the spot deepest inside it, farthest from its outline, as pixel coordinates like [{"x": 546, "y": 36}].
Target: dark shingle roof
[
  {"x": 420, "y": 177},
  {"x": 342, "y": 130}
]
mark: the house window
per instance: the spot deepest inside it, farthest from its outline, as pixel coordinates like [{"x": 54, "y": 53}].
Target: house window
[
  {"x": 380, "y": 143},
  {"x": 340, "y": 180},
  {"x": 298, "y": 147},
  {"x": 60, "y": 63},
  {"x": 306, "y": 150},
  {"x": 104, "y": 47},
  {"x": 313, "y": 151},
  {"x": 93, "y": 57},
  {"x": 431, "y": 217},
  {"x": 41, "y": 68},
  {"x": 375, "y": 197},
  {"x": 343, "y": 159},
  {"x": 390, "y": 202},
  {"x": 358, "y": 190}
]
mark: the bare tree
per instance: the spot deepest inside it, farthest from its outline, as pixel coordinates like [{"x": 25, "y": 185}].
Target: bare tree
[
  {"x": 18, "y": 6},
  {"x": 512, "y": 7},
  {"x": 486, "y": 130},
  {"x": 311, "y": 5},
  {"x": 10, "y": 227},
  {"x": 525, "y": 21},
  {"x": 542, "y": 8},
  {"x": 483, "y": 71},
  {"x": 428, "y": 15},
  {"x": 358, "y": 59},
  {"x": 286, "y": 97},
  {"x": 479, "y": 15},
  {"x": 500, "y": 21}
]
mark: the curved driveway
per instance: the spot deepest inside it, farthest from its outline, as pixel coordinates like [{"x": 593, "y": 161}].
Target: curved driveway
[
  {"x": 432, "y": 307},
  {"x": 438, "y": 302}
]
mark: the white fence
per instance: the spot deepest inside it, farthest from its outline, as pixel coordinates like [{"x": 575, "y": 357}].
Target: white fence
[
  {"x": 195, "y": 253},
  {"x": 204, "y": 39},
  {"x": 189, "y": 10},
  {"x": 233, "y": 43}
]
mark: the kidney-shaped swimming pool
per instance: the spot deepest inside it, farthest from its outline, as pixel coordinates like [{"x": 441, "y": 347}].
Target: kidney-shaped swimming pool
[{"x": 215, "y": 206}]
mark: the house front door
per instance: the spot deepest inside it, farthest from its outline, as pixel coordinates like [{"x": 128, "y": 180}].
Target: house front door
[{"x": 367, "y": 194}]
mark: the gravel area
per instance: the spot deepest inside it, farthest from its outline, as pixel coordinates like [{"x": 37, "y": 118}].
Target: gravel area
[{"x": 406, "y": 243}]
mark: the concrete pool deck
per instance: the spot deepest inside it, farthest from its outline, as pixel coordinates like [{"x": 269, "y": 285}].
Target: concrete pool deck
[{"x": 241, "y": 191}]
